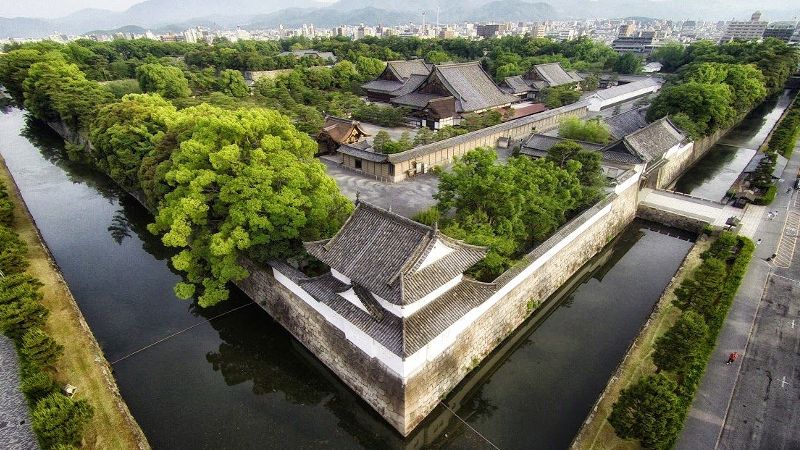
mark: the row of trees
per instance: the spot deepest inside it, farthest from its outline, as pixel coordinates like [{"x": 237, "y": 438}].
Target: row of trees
[
  {"x": 57, "y": 420},
  {"x": 513, "y": 206},
  {"x": 782, "y": 141},
  {"x": 784, "y": 137},
  {"x": 652, "y": 410},
  {"x": 715, "y": 84},
  {"x": 709, "y": 96},
  {"x": 776, "y": 59}
]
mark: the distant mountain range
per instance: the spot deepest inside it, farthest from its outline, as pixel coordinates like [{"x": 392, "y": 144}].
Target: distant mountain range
[{"x": 175, "y": 15}]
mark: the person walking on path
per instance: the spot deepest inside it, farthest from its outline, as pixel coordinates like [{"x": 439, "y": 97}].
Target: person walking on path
[{"x": 731, "y": 358}]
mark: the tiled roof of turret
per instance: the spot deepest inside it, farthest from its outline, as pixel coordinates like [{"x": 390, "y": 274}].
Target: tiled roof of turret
[
  {"x": 383, "y": 252},
  {"x": 652, "y": 141},
  {"x": 626, "y": 123}
]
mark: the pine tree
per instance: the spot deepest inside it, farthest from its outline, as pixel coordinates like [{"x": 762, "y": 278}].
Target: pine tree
[
  {"x": 648, "y": 411},
  {"x": 59, "y": 420},
  {"x": 39, "y": 348},
  {"x": 679, "y": 346}
]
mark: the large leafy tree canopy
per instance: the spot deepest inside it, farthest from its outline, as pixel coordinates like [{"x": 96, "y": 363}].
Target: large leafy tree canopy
[
  {"x": 507, "y": 207},
  {"x": 55, "y": 90},
  {"x": 706, "y": 106},
  {"x": 168, "y": 81},
  {"x": 127, "y": 131},
  {"x": 242, "y": 180}
]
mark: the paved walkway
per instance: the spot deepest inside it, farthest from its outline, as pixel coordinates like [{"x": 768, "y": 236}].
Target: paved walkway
[
  {"x": 15, "y": 422},
  {"x": 709, "y": 211},
  {"x": 707, "y": 418}
]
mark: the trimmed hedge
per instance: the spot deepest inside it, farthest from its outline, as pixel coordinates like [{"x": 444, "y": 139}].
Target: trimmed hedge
[
  {"x": 705, "y": 300},
  {"x": 57, "y": 419}
]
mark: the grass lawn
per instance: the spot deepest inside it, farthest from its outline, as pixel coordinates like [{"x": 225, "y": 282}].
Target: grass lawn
[
  {"x": 597, "y": 433},
  {"x": 83, "y": 363}
]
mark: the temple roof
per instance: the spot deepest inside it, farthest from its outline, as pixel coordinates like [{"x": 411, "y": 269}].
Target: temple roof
[
  {"x": 652, "y": 141},
  {"x": 467, "y": 82},
  {"x": 404, "y": 69},
  {"x": 340, "y": 129},
  {"x": 626, "y": 123},
  {"x": 537, "y": 146},
  {"x": 394, "y": 257},
  {"x": 555, "y": 75}
]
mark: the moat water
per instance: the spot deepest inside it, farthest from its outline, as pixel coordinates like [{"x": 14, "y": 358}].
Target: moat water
[
  {"x": 237, "y": 380},
  {"x": 718, "y": 169}
]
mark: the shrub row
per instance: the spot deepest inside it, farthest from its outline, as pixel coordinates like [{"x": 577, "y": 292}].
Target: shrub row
[
  {"x": 653, "y": 409},
  {"x": 785, "y": 135},
  {"x": 57, "y": 419}
]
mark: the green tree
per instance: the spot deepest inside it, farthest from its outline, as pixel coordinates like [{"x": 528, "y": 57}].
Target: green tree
[
  {"x": 628, "y": 63},
  {"x": 590, "y": 83},
  {"x": 242, "y": 181},
  {"x": 590, "y": 172},
  {"x": 6, "y": 208},
  {"x": 39, "y": 348},
  {"x": 55, "y": 90},
  {"x": 649, "y": 411},
  {"x": 670, "y": 55},
  {"x": 682, "y": 344},
  {"x": 369, "y": 68},
  {"x": 424, "y": 136},
  {"x": 36, "y": 383},
  {"x": 168, "y": 81},
  {"x": 59, "y": 420},
  {"x": 127, "y": 131},
  {"x": 13, "y": 252},
  {"x": 437, "y": 57},
  {"x": 231, "y": 82},
  {"x": 344, "y": 74},
  {"x": 508, "y": 207},
  {"x": 121, "y": 88},
  {"x": 701, "y": 292},
  {"x": 707, "y": 105},
  {"x": 592, "y": 130},
  {"x": 380, "y": 141},
  {"x": 14, "y": 67},
  {"x": 20, "y": 304}
]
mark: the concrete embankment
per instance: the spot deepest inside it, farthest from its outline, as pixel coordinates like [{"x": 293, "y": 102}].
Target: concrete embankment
[{"x": 83, "y": 363}]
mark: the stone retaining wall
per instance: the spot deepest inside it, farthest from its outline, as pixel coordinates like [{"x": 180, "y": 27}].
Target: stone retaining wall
[
  {"x": 671, "y": 219},
  {"x": 404, "y": 404}
]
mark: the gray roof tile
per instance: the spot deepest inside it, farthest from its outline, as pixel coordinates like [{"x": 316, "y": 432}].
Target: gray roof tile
[
  {"x": 626, "y": 123},
  {"x": 555, "y": 75},
  {"x": 652, "y": 141},
  {"x": 381, "y": 251}
]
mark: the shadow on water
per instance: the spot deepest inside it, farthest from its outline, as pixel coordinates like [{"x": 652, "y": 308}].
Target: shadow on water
[{"x": 236, "y": 379}]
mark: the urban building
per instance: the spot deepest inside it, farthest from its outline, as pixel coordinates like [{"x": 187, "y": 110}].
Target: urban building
[{"x": 749, "y": 30}]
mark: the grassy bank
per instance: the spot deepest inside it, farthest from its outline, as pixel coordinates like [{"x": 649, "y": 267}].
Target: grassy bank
[
  {"x": 82, "y": 363},
  {"x": 597, "y": 433}
]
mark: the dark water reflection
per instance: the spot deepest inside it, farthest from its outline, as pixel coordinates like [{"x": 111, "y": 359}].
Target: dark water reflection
[
  {"x": 715, "y": 173},
  {"x": 236, "y": 379}
]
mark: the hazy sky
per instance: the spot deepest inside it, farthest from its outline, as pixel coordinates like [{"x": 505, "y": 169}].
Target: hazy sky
[{"x": 57, "y": 8}]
